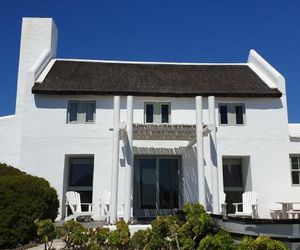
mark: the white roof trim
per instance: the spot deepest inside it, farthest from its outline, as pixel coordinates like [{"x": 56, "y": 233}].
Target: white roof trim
[
  {"x": 44, "y": 73},
  {"x": 142, "y": 62}
]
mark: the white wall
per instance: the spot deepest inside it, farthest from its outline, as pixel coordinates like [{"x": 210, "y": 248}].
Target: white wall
[{"x": 47, "y": 138}]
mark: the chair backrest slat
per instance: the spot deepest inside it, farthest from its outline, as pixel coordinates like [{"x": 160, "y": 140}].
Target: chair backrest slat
[
  {"x": 249, "y": 199},
  {"x": 74, "y": 201},
  {"x": 222, "y": 198},
  {"x": 105, "y": 198}
]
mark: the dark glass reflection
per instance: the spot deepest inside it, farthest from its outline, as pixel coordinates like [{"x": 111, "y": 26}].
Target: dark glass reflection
[
  {"x": 149, "y": 113},
  {"x": 168, "y": 183},
  {"x": 232, "y": 175},
  {"x": 90, "y": 111},
  {"x": 295, "y": 177},
  {"x": 239, "y": 114},
  {"x": 164, "y": 113},
  {"x": 223, "y": 114},
  {"x": 81, "y": 172},
  {"x": 73, "y": 112},
  {"x": 148, "y": 183}
]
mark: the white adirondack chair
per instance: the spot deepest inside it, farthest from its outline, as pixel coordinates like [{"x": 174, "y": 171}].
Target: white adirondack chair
[
  {"x": 249, "y": 205},
  {"x": 74, "y": 202},
  {"x": 104, "y": 206},
  {"x": 223, "y": 203}
]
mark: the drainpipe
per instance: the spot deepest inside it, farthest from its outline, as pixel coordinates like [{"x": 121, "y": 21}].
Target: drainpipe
[
  {"x": 129, "y": 161},
  {"x": 213, "y": 156},
  {"x": 200, "y": 152},
  {"x": 115, "y": 163}
]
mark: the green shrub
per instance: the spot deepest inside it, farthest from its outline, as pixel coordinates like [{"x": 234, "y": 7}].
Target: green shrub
[
  {"x": 163, "y": 233},
  {"x": 74, "y": 235},
  {"x": 120, "y": 238},
  {"x": 196, "y": 226},
  {"x": 46, "y": 231},
  {"x": 6, "y": 170},
  {"x": 98, "y": 238},
  {"x": 140, "y": 239},
  {"x": 261, "y": 243},
  {"x": 24, "y": 198},
  {"x": 219, "y": 241}
]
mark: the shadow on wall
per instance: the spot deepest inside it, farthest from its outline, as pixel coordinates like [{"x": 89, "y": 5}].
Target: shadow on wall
[
  {"x": 265, "y": 103},
  {"x": 106, "y": 102},
  {"x": 61, "y": 102}
]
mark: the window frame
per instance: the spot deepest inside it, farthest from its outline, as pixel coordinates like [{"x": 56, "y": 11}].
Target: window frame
[
  {"x": 157, "y": 114},
  {"x": 81, "y": 111},
  {"x": 294, "y": 170},
  {"x": 231, "y": 113}
]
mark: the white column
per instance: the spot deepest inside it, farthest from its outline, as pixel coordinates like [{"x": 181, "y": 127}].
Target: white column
[
  {"x": 115, "y": 163},
  {"x": 200, "y": 151},
  {"x": 213, "y": 156},
  {"x": 129, "y": 161}
]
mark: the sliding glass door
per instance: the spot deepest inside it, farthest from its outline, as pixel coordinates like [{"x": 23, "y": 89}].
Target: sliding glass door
[{"x": 156, "y": 185}]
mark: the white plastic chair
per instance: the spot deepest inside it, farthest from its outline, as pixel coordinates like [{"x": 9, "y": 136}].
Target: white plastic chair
[
  {"x": 223, "y": 203},
  {"x": 249, "y": 205},
  {"x": 74, "y": 202}
]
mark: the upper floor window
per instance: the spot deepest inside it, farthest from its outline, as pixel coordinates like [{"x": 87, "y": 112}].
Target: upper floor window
[
  {"x": 232, "y": 114},
  {"x": 295, "y": 170},
  {"x": 157, "y": 112},
  {"x": 81, "y": 112}
]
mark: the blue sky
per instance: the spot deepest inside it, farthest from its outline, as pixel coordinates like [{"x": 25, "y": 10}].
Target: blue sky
[{"x": 160, "y": 30}]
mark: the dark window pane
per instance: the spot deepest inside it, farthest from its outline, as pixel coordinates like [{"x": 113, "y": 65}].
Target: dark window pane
[
  {"x": 295, "y": 163},
  {"x": 149, "y": 113},
  {"x": 90, "y": 111},
  {"x": 73, "y": 110},
  {"x": 164, "y": 113},
  {"x": 148, "y": 183},
  {"x": 295, "y": 177},
  {"x": 168, "y": 183},
  {"x": 239, "y": 114},
  {"x": 232, "y": 175},
  {"x": 223, "y": 114},
  {"x": 81, "y": 172}
]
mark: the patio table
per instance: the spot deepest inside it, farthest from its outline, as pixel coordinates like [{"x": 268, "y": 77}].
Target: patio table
[{"x": 286, "y": 206}]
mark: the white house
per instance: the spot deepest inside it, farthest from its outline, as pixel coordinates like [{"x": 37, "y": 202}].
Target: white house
[{"x": 147, "y": 137}]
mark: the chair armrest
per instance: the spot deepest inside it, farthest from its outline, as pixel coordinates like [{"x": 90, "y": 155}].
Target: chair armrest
[
  {"x": 89, "y": 206},
  {"x": 223, "y": 208},
  {"x": 254, "y": 211},
  {"x": 236, "y": 205}
]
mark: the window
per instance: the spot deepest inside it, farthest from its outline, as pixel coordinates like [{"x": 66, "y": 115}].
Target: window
[
  {"x": 232, "y": 114},
  {"x": 81, "y": 112},
  {"x": 157, "y": 112},
  {"x": 295, "y": 170},
  {"x": 80, "y": 179}
]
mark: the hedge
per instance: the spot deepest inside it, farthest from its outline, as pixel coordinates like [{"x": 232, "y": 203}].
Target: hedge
[{"x": 24, "y": 198}]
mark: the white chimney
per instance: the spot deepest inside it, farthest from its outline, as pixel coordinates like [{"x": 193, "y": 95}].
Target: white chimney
[{"x": 38, "y": 46}]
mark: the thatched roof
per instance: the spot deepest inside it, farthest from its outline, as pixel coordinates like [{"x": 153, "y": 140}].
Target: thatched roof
[{"x": 146, "y": 79}]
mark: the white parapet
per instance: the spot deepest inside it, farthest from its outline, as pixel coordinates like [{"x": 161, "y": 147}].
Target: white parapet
[{"x": 266, "y": 71}]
